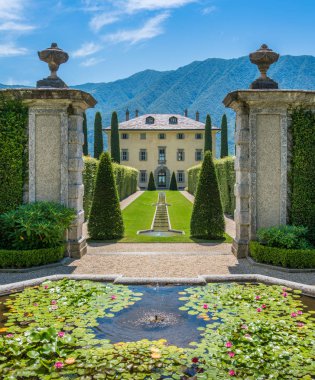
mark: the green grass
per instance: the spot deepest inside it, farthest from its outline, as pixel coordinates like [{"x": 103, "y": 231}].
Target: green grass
[{"x": 139, "y": 216}]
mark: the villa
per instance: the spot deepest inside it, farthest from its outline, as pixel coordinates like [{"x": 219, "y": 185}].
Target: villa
[{"x": 162, "y": 144}]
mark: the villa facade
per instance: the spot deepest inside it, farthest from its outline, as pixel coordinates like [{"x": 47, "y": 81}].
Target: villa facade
[{"x": 162, "y": 144}]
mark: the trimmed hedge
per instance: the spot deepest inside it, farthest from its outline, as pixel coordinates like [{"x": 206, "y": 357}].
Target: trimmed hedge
[
  {"x": 302, "y": 176},
  {"x": 226, "y": 180},
  {"x": 29, "y": 258},
  {"x": 13, "y": 121},
  {"x": 125, "y": 176},
  {"x": 288, "y": 258}
]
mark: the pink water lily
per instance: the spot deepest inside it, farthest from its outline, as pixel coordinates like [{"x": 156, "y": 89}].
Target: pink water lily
[
  {"x": 264, "y": 306},
  {"x": 35, "y": 304},
  {"x": 9, "y": 335},
  {"x": 46, "y": 286},
  {"x": 293, "y": 315},
  {"x": 195, "y": 360},
  {"x": 258, "y": 297},
  {"x": 285, "y": 294},
  {"x": 61, "y": 334},
  {"x": 54, "y": 302},
  {"x": 54, "y": 307},
  {"x": 244, "y": 327},
  {"x": 206, "y": 306},
  {"x": 258, "y": 309},
  {"x": 232, "y": 372},
  {"x": 247, "y": 336},
  {"x": 231, "y": 354},
  {"x": 300, "y": 324},
  {"x": 300, "y": 312},
  {"x": 228, "y": 344},
  {"x": 113, "y": 297},
  {"x": 58, "y": 365}
]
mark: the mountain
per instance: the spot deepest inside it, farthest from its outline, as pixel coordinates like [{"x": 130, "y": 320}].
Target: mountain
[{"x": 200, "y": 86}]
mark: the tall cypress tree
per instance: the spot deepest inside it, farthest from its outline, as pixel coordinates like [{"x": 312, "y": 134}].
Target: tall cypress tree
[
  {"x": 173, "y": 184},
  {"x": 114, "y": 139},
  {"x": 85, "y": 132},
  {"x": 151, "y": 183},
  {"x": 207, "y": 220},
  {"x": 98, "y": 135},
  {"x": 208, "y": 134},
  {"x": 224, "y": 137},
  {"x": 105, "y": 220}
]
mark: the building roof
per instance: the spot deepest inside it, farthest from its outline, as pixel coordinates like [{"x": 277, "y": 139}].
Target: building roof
[{"x": 161, "y": 123}]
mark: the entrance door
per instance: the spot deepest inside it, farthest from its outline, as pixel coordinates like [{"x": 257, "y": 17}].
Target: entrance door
[{"x": 162, "y": 178}]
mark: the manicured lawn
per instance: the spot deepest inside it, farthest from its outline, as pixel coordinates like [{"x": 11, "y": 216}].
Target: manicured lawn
[{"x": 139, "y": 216}]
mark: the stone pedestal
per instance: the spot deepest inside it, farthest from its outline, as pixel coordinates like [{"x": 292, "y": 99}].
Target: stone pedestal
[
  {"x": 55, "y": 139},
  {"x": 262, "y": 158}
]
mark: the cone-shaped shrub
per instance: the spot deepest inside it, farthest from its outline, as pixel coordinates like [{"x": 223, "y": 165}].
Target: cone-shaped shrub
[
  {"x": 173, "y": 184},
  {"x": 85, "y": 133},
  {"x": 207, "y": 220},
  {"x": 114, "y": 139},
  {"x": 98, "y": 135},
  {"x": 151, "y": 184},
  {"x": 208, "y": 134},
  {"x": 224, "y": 137},
  {"x": 105, "y": 222}
]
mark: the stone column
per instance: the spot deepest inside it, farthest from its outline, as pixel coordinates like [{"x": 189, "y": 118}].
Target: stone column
[
  {"x": 262, "y": 158},
  {"x": 55, "y": 139}
]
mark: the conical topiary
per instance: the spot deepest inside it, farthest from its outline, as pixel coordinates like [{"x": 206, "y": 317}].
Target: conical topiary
[
  {"x": 224, "y": 137},
  {"x": 105, "y": 221},
  {"x": 208, "y": 134},
  {"x": 114, "y": 139},
  {"x": 173, "y": 184},
  {"x": 151, "y": 184},
  {"x": 207, "y": 220}
]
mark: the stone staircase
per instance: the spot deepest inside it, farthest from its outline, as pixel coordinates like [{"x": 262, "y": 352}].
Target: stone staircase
[{"x": 161, "y": 222}]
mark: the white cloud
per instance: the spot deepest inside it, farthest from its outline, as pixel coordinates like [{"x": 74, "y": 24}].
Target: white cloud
[
  {"x": 10, "y": 50},
  {"x": 15, "y": 26},
  {"x": 209, "y": 10},
  {"x": 92, "y": 62},
  {"x": 151, "y": 29},
  {"x": 16, "y": 82},
  {"x": 87, "y": 49},
  {"x": 103, "y": 19},
  {"x": 11, "y": 9},
  {"x": 138, "y": 5}
]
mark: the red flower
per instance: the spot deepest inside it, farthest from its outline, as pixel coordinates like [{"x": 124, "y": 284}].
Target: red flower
[
  {"x": 205, "y": 306},
  {"x": 231, "y": 354},
  {"x": 264, "y": 306},
  {"x": 232, "y": 372},
  {"x": 228, "y": 344},
  {"x": 258, "y": 297},
  {"x": 258, "y": 309},
  {"x": 195, "y": 360}
]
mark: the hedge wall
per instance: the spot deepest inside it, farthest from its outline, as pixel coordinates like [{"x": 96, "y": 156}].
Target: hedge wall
[
  {"x": 226, "y": 180},
  {"x": 125, "y": 176},
  {"x": 302, "y": 176},
  {"x": 13, "y": 120}
]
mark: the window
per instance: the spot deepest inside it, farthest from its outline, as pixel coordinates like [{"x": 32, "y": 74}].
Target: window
[
  {"x": 143, "y": 155},
  {"x": 143, "y": 176},
  {"x": 198, "y": 155},
  {"x": 124, "y": 136},
  {"x": 162, "y": 156},
  {"x": 162, "y": 136},
  {"x": 180, "y": 136},
  {"x": 198, "y": 136},
  {"x": 173, "y": 120},
  {"x": 180, "y": 176},
  {"x": 143, "y": 136},
  {"x": 149, "y": 120},
  {"x": 180, "y": 155},
  {"x": 124, "y": 155}
]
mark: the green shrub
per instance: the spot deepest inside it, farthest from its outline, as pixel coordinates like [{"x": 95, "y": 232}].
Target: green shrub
[
  {"x": 89, "y": 175},
  {"x": 288, "y": 258},
  {"x": 284, "y": 237},
  {"x": 35, "y": 226},
  {"x": 302, "y": 175},
  {"x": 173, "y": 184},
  {"x": 208, "y": 134},
  {"x": 29, "y": 258},
  {"x": 105, "y": 221},
  {"x": 226, "y": 180},
  {"x": 151, "y": 183},
  {"x": 207, "y": 220},
  {"x": 98, "y": 135},
  {"x": 13, "y": 121}
]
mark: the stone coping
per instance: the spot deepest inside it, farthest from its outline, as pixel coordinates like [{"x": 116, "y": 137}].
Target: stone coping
[
  {"x": 308, "y": 290},
  {"x": 281, "y": 269},
  {"x": 32, "y": 94},
  {"x": 63, "y": 262}
]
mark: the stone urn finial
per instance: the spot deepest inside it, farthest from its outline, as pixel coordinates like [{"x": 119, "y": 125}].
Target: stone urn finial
[
  {"x": 263, "y": 58},
  {"x": 54, "y": 56}
]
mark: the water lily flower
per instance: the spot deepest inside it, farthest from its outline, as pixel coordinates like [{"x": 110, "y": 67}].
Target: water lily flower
[
  {"x": 58, "y": 365},
  {"x": 195, "y": 360},
  {"x": 156, "y": 355},
  {"x": 46, "y": 286},
  {"x": 258, "y": 297},
  {"x": 284, "y": 289},
  {"x": 113, "y": 297},
  {"x": 228, "y": 344},
  {"x": 61, "y": 334},
  {"x": 300, "y": 312},
  {"x": 293, "y": 315},
  {"x": 258, "y": 309},
  {"x": 206, "y": 306},
  {"x": 231, "y": 354},
  {"x": 232, "y": 372},
  {"x": 9, "y": 335},
  {"x": 300, "y": 324},
  {"x": 285, "y": 294},
  {"x": 70, "y": 361},
  {"x": 247, "y": 336},
  {"x": 264, "y": 306},
  {"x": 54, "y": 307},
  {"x": 54, "y": 302},
  {"x": 35, "y": 304},
  {"x": 245, "y": 327}
]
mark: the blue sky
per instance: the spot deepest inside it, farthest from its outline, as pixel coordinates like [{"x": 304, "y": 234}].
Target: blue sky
[{"x": 112, "y": 39}]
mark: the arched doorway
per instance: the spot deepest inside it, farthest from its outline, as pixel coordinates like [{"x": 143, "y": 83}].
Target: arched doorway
[{"x": 162, "y": 178}]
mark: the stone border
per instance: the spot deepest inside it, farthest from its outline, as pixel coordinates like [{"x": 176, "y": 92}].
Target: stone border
[
  {"x": 281, "y": 269},
  {"x": 308, "y": 290},
  {"x": 63, "y": 262}
]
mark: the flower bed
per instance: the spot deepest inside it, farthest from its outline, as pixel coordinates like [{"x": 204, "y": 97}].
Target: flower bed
[{"x": 252, "y": 332}]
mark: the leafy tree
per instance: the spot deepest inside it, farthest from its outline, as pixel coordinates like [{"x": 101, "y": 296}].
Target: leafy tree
[
  {"x": 224, "y": 137},
  {"x": 98, "y": 135},
  {"x": 208, "y": 134},
  {"x": 207, "y": 220},
  {"x": 114, "y": 139},
  {"x": 105, "y": 221},
  {"x": 173, "y": 184},
  {"x": 85, "y": 132},
  {"x": 151, "y": 184}
]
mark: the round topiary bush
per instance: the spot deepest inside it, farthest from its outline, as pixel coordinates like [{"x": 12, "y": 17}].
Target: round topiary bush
[{"x": 105, "y": 220}]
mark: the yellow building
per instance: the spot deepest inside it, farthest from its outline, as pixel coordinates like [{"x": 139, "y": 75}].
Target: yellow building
[{"x": 162, "y": 144}]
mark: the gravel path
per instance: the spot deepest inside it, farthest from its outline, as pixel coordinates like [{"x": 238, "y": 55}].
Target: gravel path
[{"x": 126, "y": 202}]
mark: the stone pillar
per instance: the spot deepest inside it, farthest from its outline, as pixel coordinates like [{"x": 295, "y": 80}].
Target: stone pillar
[
  {"x": 55, "y": 139},
  {"x": 262, "y": 158}
]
